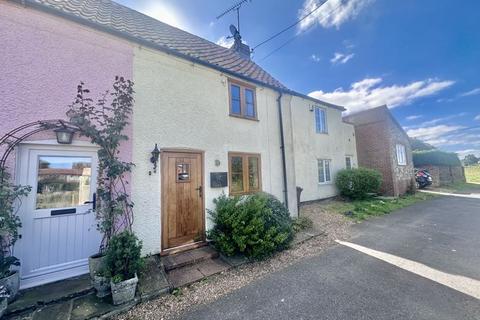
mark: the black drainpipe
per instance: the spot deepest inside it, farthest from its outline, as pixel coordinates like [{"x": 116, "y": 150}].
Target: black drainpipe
[{"x": 282, "y": 147}]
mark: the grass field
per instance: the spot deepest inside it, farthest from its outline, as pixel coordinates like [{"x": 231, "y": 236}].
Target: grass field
[
  {"x": 362, "y": 209},
  {"x": 473, "y": 174}
]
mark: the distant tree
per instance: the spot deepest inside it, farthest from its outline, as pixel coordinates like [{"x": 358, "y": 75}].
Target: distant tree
[
  {"x": 419, "y": 145},
  {"x": 470, "y": 160}
]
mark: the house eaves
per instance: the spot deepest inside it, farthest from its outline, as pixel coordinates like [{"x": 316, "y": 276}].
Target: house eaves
[{"x": 137, "y": 28}]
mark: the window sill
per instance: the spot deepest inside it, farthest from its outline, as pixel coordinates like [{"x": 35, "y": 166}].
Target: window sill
[
  {"x": 322, "y": 133},
  {"x": 325, "y": 183},
  {"x": 233, "y": 194},
  {"x": 242, "y": 117}
]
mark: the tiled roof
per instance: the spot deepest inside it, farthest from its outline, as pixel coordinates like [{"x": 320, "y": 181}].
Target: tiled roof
[{"x": 133, "y": 24}]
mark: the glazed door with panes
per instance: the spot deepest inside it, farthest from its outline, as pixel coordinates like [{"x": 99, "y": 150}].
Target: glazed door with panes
[{"x": 59, "y": 227}]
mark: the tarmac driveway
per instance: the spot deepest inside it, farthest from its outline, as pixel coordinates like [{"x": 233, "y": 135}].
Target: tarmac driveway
[{"x": 421, "y": 262}]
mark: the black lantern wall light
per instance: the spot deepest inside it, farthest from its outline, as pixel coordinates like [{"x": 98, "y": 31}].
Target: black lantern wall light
[
  {"x": 154, "y": 158},
  {"x": 64, "y": 135}
]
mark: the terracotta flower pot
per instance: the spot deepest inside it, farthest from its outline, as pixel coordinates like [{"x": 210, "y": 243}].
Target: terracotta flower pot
[{"x": 124, "y": 291}]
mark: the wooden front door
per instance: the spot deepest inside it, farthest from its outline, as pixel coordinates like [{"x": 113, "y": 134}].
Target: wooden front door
[{"x": 183, "y": 219}]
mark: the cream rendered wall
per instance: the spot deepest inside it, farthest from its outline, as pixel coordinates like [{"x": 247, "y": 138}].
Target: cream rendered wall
[
  {"x": 310, "y": 146},
  {"x": 179, "y": 104}
]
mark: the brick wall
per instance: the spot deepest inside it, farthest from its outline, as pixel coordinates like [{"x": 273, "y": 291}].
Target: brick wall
[
  {"x": 444, "y": 175},
  {"x": 403, "y": 175},
  {"x": 377, "y": 134}
]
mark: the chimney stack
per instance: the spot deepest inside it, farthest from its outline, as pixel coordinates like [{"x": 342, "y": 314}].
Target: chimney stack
[{"x": 238, "y": 46}]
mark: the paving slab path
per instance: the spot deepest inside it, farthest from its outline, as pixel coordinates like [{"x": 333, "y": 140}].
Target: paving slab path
[{"x": 400, "y": 266}]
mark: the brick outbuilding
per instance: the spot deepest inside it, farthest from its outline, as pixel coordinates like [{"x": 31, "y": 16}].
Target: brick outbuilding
[{"x": 382, "y": 144}]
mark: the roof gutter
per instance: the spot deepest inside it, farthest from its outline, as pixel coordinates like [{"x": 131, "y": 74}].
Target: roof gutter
[
  {"x": 41, "y": 7},
  {"x": 282, "y": 147}
]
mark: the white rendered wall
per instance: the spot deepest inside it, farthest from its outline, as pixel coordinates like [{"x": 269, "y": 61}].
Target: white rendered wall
[{"x": 179, "y": 104}]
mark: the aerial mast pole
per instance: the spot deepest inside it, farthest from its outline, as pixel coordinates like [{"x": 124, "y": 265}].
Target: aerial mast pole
[{"x": 236, "y": 7}]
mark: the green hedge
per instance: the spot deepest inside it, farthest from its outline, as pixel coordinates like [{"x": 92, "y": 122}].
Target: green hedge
[
  {"x": 435, "y": 158},
  {"x": 255, "y": 225},
  {"x": 358, "y": 183}
]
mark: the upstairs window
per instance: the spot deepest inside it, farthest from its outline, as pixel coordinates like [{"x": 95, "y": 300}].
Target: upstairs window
[
  {"x": 320, "y": 120},
  {"x": 242, "y": 100},
  {"x": 324, "y": 171},
  {"x": 245, "y": 173},
  {"x": 401, "y": 155}
]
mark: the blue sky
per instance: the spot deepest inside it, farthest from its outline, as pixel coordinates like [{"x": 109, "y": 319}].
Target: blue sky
[{"x": 421, "y": 58}]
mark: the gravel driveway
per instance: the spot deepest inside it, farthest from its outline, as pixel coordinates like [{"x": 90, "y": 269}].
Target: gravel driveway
[{"x": 327, "y": 226}]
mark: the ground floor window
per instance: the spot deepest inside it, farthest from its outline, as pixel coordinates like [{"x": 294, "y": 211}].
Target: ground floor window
[
  {"x": 244, "y": 173},
  {"x": 348, "y": 162},
  {"x": 324, "y": 171},
  {"x": 401, "y": 154}
]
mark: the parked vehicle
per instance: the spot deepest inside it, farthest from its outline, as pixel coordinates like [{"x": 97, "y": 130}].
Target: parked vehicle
[{"x": 422, "y": 178}]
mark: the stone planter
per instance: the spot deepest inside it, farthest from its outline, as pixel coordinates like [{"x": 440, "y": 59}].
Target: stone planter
[
  {"x": 101, "y": 285},
  {"x": 12, "y": 283},
  {"x": 3, "y": 306},
  {"x": 96, "y": 264},
  {"x": 124, "y": 291}
]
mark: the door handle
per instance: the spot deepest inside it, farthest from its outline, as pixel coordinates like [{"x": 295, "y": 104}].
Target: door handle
[
  {"x": 200, "y": 191},
  {"x": 93, "y": 202}
]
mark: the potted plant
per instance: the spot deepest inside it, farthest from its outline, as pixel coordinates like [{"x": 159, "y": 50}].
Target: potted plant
[
  {"x": 123, "y": 261},
  {"x": 9, "y": 278},
  {"x": 10, "y": 197},
  {"x": 3, "y": 300},
  {"x": 101, "y": 283}
]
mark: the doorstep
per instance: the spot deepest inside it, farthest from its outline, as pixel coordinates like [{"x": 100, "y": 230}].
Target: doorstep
[
  {"x": 194, "y": 265},
  {"x": 75, "y": 298},
  {"x": 36, "y": 297}
]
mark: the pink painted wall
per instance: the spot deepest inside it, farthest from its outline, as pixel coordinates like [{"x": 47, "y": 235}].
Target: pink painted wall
[{"x": 42, "y": 60}]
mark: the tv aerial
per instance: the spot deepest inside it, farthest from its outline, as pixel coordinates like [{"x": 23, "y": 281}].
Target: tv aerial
[{"x": 235, "y": 7}]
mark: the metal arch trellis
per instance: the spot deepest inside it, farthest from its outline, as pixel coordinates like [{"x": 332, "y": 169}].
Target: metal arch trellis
[{"x": 11, "y": 139}]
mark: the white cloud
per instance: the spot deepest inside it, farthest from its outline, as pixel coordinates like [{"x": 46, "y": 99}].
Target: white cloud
[
  {"x": 225, "y": 42},
  {"x": 471, "y": 92},
  {"x": 413, "y": 117},
  {"x": 368, "y": 93},
  {"x": 477, "y": 118},
  {"x": 433, "y": 134},
  {"x": 332, "y": 14},
  {"x": 340, "y": 58},
  {"x": 442, "y": 119},
  {"x": 315, "y": 58},
  {"x": 463, "y": 153}
]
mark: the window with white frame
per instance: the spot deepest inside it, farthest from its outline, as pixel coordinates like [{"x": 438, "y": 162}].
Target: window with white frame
[
  {"x": 401, "y": 155},
  {"x": 348, "y": 162},
  {"x": 320, "y": 120},
  {"x": 324, "y": 171}
]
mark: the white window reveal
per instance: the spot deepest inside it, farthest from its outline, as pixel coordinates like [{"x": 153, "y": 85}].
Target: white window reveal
[
  {"x": 348, "y": 162},
  {"x": 324, "y": 171},
  {"x": 320, "y": 120},
  {"x": 401, "y": 155}
]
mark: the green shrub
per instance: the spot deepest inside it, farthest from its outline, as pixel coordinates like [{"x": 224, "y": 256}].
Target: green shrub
[
  {"x": 358, "y": 183},
  {"x": 436, "y": 158},
  {"x": 255, "y": 225},
  {"x": 123, "y": 259}
]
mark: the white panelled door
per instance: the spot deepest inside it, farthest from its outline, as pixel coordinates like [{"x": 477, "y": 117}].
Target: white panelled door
[{"x": 58, "y": 231}]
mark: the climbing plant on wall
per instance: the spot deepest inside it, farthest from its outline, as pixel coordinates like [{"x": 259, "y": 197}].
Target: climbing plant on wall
[{"x": 104, "y": 121}]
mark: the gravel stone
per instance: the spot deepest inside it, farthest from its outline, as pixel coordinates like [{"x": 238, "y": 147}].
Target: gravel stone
[{"x": 327, "y": 225}]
